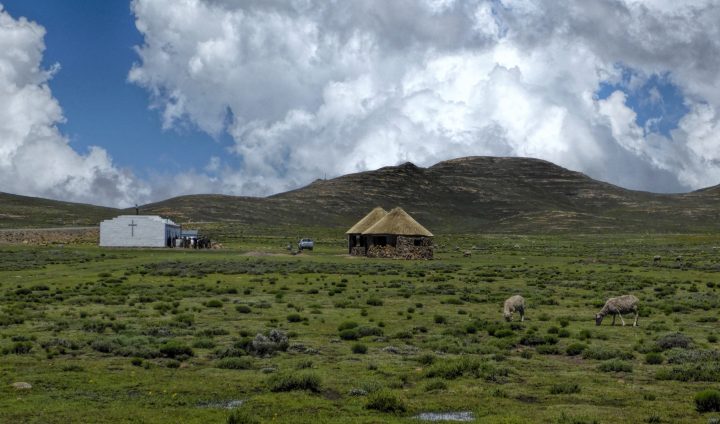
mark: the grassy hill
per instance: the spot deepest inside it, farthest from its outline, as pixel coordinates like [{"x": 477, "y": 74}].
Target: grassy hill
[
  {"x": 461, "y": 195},
  {"x": 32, "y": 212}
]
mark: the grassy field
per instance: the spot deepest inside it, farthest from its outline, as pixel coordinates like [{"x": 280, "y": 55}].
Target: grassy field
[{"x": 251, "y": 334}]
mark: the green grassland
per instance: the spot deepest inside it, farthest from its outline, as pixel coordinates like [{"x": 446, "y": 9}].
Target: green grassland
[{"x": 142, "y": 336}]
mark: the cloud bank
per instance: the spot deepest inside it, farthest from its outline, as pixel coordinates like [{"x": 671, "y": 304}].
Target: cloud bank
[
  {"x": 35, "y": 158},
  {"x": 308, "y": 88}
]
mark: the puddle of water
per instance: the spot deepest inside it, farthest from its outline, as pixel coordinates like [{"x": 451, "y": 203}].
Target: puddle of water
[
  {"x": 460, "y": 416},
  {"x": 223, "y": 404}
]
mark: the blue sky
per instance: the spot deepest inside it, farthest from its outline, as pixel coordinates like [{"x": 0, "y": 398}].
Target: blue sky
[
  {"x": 94, "y": 41},
  {"x": 169, "y": 97}
]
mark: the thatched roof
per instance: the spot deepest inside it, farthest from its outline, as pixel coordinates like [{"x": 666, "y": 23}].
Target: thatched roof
[
  {"x": 398, "y": 223},
  {"x": 370, "y": 219}
]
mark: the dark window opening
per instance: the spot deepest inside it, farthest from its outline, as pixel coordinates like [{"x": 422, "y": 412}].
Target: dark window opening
[
  {"x": 380, "y": 241},
  {"x": 417, "y": 242}
]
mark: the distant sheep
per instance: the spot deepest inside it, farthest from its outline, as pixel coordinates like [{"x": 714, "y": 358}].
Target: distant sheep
[
  {"x": 618, "y": 306},
  {"x": 514, "y": 304}
]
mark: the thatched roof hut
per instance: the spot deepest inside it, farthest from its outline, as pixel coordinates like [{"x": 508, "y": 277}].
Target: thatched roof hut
[
  {"x": 398, "y": 223},
  {"x": 390, "y": 235},
  {"x": 368, "y": 221}
]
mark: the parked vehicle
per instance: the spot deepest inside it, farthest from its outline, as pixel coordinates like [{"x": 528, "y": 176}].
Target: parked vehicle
[{"x": 306, "y": 243}]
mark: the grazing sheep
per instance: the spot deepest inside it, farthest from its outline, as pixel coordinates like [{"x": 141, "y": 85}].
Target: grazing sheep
[
  {"x": 618, "y": 306},
  {"x": 514, "y": 304}
]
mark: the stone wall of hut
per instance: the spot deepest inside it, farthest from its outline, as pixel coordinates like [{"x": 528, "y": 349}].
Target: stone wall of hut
[
  {"x": 357, "y": 251},
  {"x": 405, "y": 248}
]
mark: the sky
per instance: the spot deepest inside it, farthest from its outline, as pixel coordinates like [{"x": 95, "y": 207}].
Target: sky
[{"x": 120, "y": 102}]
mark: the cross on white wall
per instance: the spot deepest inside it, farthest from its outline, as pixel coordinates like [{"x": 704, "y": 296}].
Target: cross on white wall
[{"x": 132, "y": 226}]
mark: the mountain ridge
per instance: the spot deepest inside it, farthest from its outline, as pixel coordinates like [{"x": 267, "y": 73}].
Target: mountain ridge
[{"x": 469, "y": 194}]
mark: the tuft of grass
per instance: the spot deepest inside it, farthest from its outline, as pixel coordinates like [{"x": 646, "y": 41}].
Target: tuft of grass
[
  {"x": 242, "y": 416},
  {"x": 385, "y": 401},
  {"x": 564, "y": 389},
  {"x": 615, "y": 365},
  {"x": 234, "y": 364},
  {"x": 707, "y": 401}
]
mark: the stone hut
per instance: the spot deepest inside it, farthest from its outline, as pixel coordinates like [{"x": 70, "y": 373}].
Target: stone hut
[
  {"x": 398, "y": 235},
  {"x": 357, "y": 243}
]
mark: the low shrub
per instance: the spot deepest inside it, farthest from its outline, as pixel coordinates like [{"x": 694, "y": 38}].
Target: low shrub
[
  {"x": 674, "y": 340},
  {"x": 385, "y": 401},
  {"x": 299, "y": 381},
  {"x": 243, "y": 309},
  {"x": 548, "y": 350},
  {"x": 373, "y": 301},
  {"x": 575, "y": 349},
  {"x": 234, "y": 363},
  {"x": 347, "y": 325},
  {"x": 603, "y": 353},
  {"x": 349, "y": 334},
  {"x": 359, "y": 348},
  {"x": 294, "y": 318},
  {"x": 654, "y": 358},
  {"x": 691, "y": 372},
  {"x": 707, "y": 401},
  {"x": 615, "y": 365},
  {"x": 204, "y": 344},
  {"x": 175, "y": 349},
  {"x": 214, "y": 303},
  {"x": 19, "y": 348}
]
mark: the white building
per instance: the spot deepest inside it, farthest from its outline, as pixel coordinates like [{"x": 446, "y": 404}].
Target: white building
[{"x": 138, "y": 231}]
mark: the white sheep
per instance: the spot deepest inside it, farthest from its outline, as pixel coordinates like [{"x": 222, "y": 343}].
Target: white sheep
[
  {"x": 514, "y": 304},
  {"x": 618, "y": 306}
]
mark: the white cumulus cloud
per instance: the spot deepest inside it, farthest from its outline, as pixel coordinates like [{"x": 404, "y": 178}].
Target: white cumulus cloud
[
  {"x": 35, "y": 158},
  {"x": 311, "y": 87}
]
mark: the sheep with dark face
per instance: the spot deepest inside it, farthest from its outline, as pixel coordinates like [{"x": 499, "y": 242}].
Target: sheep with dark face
[
  {"x": 514, "y": 304},
  {"x": 618, "y": 306}
]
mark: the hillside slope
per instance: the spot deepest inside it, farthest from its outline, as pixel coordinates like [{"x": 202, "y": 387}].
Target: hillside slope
[
  {"x": 465, "y": 195},
  {"x": 33, "y": 212},
  {"x": 473, "y": 194}
]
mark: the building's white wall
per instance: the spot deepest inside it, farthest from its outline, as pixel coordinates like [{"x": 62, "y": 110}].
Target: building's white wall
[{"x": 150, "y": 231}]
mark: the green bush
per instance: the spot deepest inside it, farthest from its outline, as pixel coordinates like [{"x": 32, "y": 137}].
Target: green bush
[
  {"x": 654, "y": 358},
  {"x": 707, "y": 401},
  {"x": 564, "y": 389},
  {"x": 243, "y": 309},
  {"x": 603, "y": 353},
  {"x": 359, "y": 348},
  {"x": 214, "y": 303},
  {"x": 347, "y": 325},
  {"x": 349, "y": 334},
  {"x": 373, "y": 301},
  {"x": 299, "y": 381},
  {"x": 615, "y": 365},
  {"x": 294, "y": 318},
  {"x": 204, "y": 344},
  {"x": 233, "y": 363},
  {"x": 439, "y": 319},
  {"x": 385, "y": 401},
  {"x": 575, "y": 349},
  {"x": 174, "y": 349},
  {"x": 674, "y": 340},
  {"x": 19, "y": 348}
]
